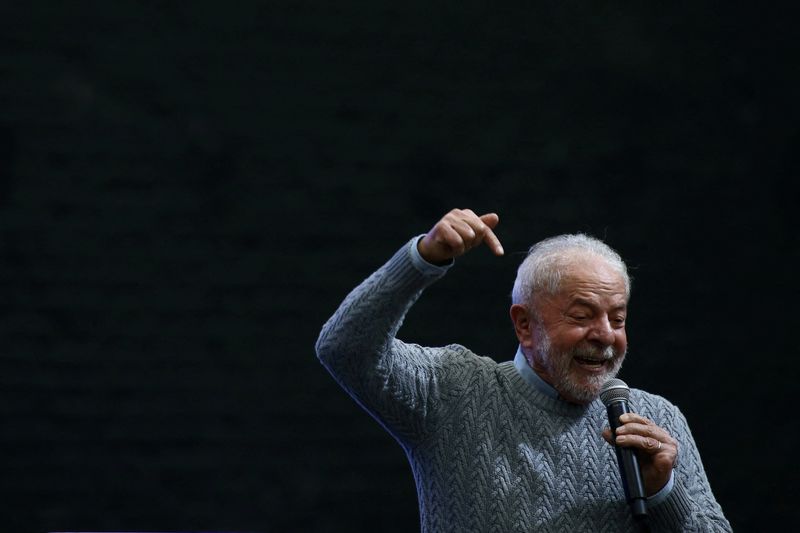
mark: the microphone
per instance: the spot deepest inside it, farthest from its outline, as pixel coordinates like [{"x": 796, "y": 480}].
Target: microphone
[{"x": 614, "y": 395}]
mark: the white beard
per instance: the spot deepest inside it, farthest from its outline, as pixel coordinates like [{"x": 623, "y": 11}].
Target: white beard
[{"x": 557, "y": 363}]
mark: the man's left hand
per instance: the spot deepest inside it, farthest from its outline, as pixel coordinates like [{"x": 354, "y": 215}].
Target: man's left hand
[{"x": 656, "y": 449}]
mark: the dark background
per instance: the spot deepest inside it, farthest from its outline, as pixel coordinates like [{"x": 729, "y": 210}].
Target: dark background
[{"x": 187, "y": 190}]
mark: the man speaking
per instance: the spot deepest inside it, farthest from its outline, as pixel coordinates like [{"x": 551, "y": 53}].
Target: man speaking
[{"x": 522, "y": 445}]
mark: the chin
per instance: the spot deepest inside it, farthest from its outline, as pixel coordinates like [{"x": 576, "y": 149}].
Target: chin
[
  {"x": 582, "y": 390},
  {"x": 581, "y": 396}
]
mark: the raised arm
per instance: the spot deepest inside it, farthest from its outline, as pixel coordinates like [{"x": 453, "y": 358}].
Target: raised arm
[{"x": 400, "y": 384}]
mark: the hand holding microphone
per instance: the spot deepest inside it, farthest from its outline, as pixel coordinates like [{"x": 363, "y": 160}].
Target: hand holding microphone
[{"x": 645, "y": 451}]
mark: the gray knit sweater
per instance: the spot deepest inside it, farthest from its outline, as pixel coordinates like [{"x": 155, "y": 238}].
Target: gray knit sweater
[{"x": 489, "y": 451}]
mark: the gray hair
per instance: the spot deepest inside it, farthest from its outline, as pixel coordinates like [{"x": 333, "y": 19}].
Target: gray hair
[{"x": 542, "y": 270}]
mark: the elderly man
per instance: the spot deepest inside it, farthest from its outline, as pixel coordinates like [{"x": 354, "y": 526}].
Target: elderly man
[{"x": 517, "y": 446}]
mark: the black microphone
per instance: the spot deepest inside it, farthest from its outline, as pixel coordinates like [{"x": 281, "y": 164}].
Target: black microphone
[{"x": 614, "y": 395}]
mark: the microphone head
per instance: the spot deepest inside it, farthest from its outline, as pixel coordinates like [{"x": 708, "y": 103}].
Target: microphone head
[{"x": 614, "y": 390}]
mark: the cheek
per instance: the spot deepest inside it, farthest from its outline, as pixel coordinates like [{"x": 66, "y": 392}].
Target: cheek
[{"x": 570, "y": 339}]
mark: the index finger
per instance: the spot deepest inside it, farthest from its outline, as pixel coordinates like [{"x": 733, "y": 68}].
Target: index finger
[
  {"x": 642, "y": 426},
  {"x": 625, "y": 418},
  {"x": 491, "y": 220}
]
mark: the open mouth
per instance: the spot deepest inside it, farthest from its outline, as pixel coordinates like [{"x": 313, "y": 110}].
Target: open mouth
[{"x": 590, "y": 363}]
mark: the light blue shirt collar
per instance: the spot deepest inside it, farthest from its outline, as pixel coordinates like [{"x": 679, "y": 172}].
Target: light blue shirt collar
[{"x": 531, "y": 377}]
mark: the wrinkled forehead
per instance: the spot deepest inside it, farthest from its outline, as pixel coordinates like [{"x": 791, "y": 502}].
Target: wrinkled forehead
[
  {"x": 580, "y": 268},
  {"x": 590, "y": 272}
]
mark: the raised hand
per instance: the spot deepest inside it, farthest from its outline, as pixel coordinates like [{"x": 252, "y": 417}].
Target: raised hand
[{"x": 456, "y": 233}]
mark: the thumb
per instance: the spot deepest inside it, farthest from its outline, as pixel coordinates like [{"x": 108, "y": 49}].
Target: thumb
[{"x": 490, "y": 219}]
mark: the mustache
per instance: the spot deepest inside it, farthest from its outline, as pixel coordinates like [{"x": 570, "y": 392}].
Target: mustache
[{"x": 587, "y": 351}]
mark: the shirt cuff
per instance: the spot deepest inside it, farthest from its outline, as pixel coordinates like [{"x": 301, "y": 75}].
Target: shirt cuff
[
  {"x": 661, "y": 495},
  {"x": 423, "y": 266}
]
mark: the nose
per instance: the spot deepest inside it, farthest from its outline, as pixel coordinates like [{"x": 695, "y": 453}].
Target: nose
[{"x": 601, "y": 333}]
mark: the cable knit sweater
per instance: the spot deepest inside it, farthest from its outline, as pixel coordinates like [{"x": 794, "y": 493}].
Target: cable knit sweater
[{"x": 489, "y": 451}]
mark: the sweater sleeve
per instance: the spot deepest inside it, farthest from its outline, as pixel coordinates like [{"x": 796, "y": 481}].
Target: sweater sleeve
[
  {"x": 691, "y": 505},
  {"x": 401, "y": 385}
]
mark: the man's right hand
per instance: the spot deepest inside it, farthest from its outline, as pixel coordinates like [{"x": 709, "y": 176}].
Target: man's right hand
[{"x": 456, "y": 233}]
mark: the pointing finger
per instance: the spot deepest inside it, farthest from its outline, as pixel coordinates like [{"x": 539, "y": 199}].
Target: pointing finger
[{"x": 491, "y": 220}]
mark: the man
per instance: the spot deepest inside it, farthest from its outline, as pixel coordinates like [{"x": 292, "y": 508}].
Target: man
[{"x": 517, "y": 446}]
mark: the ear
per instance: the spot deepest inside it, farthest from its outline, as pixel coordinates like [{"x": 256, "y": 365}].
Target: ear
[{"x": 523, "y": 325}]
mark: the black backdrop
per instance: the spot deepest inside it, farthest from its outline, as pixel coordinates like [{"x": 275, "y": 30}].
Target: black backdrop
[{"x": 187, "y": 190}]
